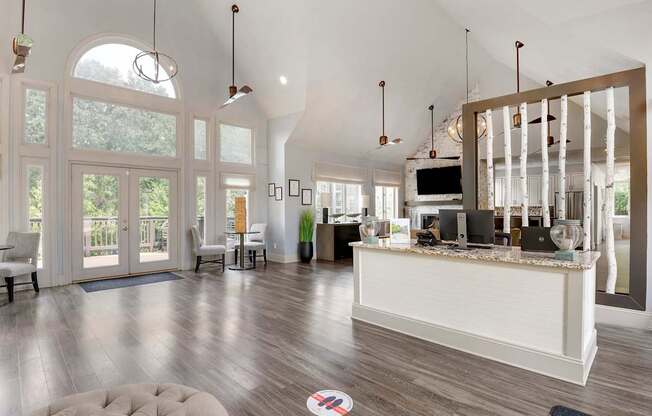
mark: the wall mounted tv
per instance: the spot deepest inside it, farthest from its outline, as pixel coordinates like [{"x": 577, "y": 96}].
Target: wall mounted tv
[{"x": 439, "y": 181}]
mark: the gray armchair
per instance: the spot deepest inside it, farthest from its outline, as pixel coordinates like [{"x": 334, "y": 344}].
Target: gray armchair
[
  {"x": 256, "y": 242},
  {"x": 20, "y": 261}
]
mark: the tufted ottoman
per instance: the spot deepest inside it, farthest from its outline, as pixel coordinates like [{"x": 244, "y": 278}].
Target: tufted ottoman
[{"x": 137, "y": 400}]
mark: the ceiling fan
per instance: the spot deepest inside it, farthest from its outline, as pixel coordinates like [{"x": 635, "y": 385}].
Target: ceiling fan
[
  {"x": 550, "y": 116},
  {"x": 21, "y": 46},
  {"x": 384, "y": 140},
  {"x": 234, "y": 93},
  {"x": 433, "y": 153}
]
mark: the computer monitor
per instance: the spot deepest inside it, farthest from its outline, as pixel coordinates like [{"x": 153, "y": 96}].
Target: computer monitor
[{"x": 480, "y": 228}]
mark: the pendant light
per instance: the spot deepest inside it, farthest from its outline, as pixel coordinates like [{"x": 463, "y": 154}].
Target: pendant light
[
  {"x": 433, "y": 153},
  {"x": 550, "y": 139},
  {"x": 234, "y": 93},
  {"x": 155, "y": 66},
  {"x": 516, "y": 118},
  {"x": 456, "y": 126},
  {"x": 21, "y": 46},
  {"x": 384, "y": 141}
]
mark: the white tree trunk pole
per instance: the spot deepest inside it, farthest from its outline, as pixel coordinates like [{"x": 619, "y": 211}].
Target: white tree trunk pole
[
  {"x": 545, "y": 175},
  {"x": 490, "y": 160},
  {"x": 563, "y": 138},
  {"x": 525, "y": 201},
  {"x": 587, "y": 171},
  {"x": 507, "y": 194},
  {"x": 611, "y": 251}
]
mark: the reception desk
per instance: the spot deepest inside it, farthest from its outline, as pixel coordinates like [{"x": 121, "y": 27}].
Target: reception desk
[{"x": 526, "y": 310}]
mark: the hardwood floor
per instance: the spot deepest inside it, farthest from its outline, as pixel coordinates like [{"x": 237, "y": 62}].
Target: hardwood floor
[{"x": 263, "y": 341}]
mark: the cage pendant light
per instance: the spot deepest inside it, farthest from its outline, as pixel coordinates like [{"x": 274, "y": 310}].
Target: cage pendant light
[
  {"x": 234, "y": 93},
  {"x": 155, "y": 66},
  {"x": 21, "y": 45},
  {"x": 456, "y": 126}
]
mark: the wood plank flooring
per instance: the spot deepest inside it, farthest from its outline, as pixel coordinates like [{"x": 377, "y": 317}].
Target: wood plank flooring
[{"x": 263, "y": 341}]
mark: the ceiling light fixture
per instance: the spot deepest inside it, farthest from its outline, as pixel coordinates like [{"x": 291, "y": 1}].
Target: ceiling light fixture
[
  {"x": 433, "y": 153},
  {"x": 234, "y": 93},
  {"x": 456, "y": 126},
  {"x": 21, "y": 46},
  {"x": 283, "y": 80},
  {"x": 155, "y": 66},
  {"x": 384, "y": 140}
]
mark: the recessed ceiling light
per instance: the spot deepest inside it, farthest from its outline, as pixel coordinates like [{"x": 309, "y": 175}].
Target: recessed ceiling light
[{"x": 283, "y": 80}]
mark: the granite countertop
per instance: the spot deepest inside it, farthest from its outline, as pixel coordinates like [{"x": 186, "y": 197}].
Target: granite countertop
[{"x": 513, "y": 255}]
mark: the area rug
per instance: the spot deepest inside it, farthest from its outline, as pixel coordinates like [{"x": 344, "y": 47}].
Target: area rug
[
  {"x": 116, "y": 283},
  {"x": 565, "y": 411}
]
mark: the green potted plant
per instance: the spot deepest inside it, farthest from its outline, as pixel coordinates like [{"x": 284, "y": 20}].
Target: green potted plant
[{"x": 306, "y": 231}]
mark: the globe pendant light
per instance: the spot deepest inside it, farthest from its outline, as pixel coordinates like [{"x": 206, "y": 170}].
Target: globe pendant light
[
  {"x": 21, "y": 46},
  {"x": 234, "y": 93},
  {"x": 456, "y": 126},
  {"x": 155, "y": 66}
]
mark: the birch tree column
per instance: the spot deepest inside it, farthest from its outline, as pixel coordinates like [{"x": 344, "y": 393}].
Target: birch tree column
[
  {"x": 490, "y": 160},
  {"x": 545, "y": 174},
  {"x": 507, "y": 194},
  {"x": 587, "y": 172},
  {"x": 525, "y": 198},
  {"x": 611, "y": 250},
  {"x": 563, "y": 138}
]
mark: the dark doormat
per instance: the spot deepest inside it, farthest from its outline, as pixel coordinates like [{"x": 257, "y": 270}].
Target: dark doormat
[
  {"x": 119, "y": 282},
  {"x": 565, "y": 411}
]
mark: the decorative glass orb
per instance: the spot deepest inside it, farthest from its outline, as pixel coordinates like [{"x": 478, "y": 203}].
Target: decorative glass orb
[
  {"x": 456, "y": 128},
  {"x": 567, "y": 234}
]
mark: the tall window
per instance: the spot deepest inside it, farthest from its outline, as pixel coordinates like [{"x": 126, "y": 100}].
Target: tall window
[
  {"x": 386, "y": 202},
  {"x": 35, "y": 121},
  {"x": 236, "y": 144},
  {"x": 201, "y": 139},
  {"x": 200, "y": 207},
  {"x": 231, "y": 195},
  {"x": 345, "y": 198},
  {"x": 35, "y": 201},
  {"x": 112, "y": 63},
  {"x": 621, "y": 191}
]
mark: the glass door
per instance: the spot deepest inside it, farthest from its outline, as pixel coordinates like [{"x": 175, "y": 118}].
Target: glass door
[
  {"x": 153, "y": 215},
  {"x": 100, "y": 222},
  {"x": 124, "y": 221}
]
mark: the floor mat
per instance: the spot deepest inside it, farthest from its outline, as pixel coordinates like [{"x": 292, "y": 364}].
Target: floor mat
[
  {"x": 116, "y": 283},
  {"x": 565, "y": 411}
]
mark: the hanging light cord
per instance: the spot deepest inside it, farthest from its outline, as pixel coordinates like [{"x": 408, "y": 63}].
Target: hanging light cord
[
  {"x": 154, "y": 31},
  {"x": 467, "y": 64},
  {"x": 383, "y": 89},
  {"x": 432, "y": 126},
  {"x": 22, "y": 26},
  {"x": 233, "y": 48}
]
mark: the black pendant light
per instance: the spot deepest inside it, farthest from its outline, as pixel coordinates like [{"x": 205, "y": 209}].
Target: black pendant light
[
  {"x": 456, "y": 127},
  {"x": 234, "y": 93},
  {"x": 433, "y": 153},
  {"x": 155, "y": 66},
  {"x": 516, "y": 118},
  {"x": 384, "y": 141},
  {"x": 21, "y": 45}
]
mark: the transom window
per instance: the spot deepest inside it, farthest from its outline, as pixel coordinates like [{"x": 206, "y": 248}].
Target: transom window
[
  {"x": 112, "y": 63},
  {"x": 236, "y": 144}
]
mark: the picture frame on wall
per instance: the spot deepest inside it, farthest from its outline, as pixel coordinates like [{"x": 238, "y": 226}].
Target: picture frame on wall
[
  {"x": 271, "y": 189},
  {"x": 278, "y": 193},
  {"x": 306, "y": 196},
  {"x": 294, "y": 188}
]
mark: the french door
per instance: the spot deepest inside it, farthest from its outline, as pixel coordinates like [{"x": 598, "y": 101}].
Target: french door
[{"x": 124, "y": 221}]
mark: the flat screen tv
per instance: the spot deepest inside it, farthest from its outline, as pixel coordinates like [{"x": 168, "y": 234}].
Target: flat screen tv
[{"x": 439, "y": 181}]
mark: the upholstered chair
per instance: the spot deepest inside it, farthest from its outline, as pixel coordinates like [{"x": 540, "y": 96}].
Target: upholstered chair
[
  {"x": 256, "y": 245},
  {"x": 20, "y": 261},
  {"x": 216, "y": 253}
]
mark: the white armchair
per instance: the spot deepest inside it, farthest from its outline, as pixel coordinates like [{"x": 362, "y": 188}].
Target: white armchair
[
  {"x": 20, "y": 261},
  {"x": 256, "y": 243},
  {"x": 201, "y": 250}
]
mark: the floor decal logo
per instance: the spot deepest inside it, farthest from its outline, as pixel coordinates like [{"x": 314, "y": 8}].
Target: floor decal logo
[{"x": 330, "y": 403}]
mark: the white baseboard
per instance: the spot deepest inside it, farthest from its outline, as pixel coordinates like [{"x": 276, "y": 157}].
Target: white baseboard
[
  {"x": 553, "y": 365},
  {"x": 608, "y": 315},
  {"x": 280, "y": 258}
]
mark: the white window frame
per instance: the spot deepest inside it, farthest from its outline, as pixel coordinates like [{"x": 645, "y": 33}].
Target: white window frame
[
  {"x": 209, "y": 158},
  {"x": 218, "y": 147},
  {"x": 330, "y": 190},
  {"x": 4, "y": 152},
  {"x": 384, "y": 201},
  {"x": 209, "y": 225},
  {"x": 23, "y": 208},
  {"x": 35, "y": 149}
]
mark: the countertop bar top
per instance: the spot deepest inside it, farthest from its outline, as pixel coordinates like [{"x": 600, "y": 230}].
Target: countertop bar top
[{"x": 513, "y": 255}]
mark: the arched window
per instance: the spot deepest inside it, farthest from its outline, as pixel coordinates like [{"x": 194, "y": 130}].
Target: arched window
[
  {"x": 109, "y": 111},
  {"x": 112, "y": 63}
]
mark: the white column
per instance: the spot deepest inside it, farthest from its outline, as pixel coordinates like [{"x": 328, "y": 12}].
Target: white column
[
  {"x": 611, "y": 251},
  {"x": 587, "y": 171},
  {"x": 507, "y": 193},
  {"x": 563, "y": 137},
  {"x": 545, "y": 174},
  {"x": 490, "y": 160},
  {"x": 525, "y": 198}
]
